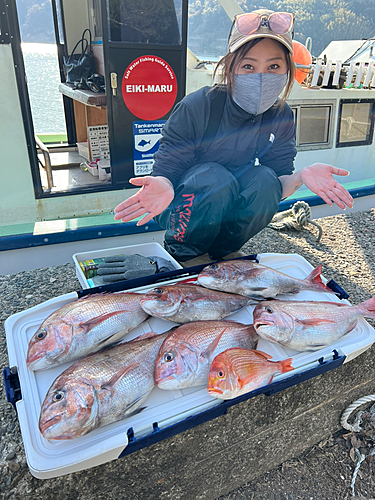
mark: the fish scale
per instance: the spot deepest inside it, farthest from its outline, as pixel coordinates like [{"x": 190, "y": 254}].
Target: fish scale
[
  {"x": 183, "y": 303},
  {"x": 93, "y": 396},
  {"x": 308, "y": 325},
  {"x": 193, "y": 346},
  {"x": 256, "y": 280},
  {"x": 84, "y": 326}
]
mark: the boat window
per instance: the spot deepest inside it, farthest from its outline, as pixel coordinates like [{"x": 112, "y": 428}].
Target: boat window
[
  {"x": 356, "y": 122},
  {"x": 145, "y": 21},
  {"x": 313, "y": 125},
  {"x": 95, "y": 20}
]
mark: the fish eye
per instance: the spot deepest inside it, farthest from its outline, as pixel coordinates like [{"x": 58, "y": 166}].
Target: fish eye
[
  {"x": 159, "y": 290},
  {"x": 41, "y": 335},
  {"x": 213, "y": 266},
  {"x": 169, "y": 356},
  {"x": 58, "y": 396},
  {"x": 269, "y": 310},
  {"x": 220, "y": 374}
]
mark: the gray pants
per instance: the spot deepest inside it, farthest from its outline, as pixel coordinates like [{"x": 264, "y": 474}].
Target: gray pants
[{"x": 216, "y": 211}]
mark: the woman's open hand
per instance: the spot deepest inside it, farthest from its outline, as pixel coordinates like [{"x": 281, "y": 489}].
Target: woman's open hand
[
  {"x": 154, "y": 196},
  {"x": 319, "y": 179}
]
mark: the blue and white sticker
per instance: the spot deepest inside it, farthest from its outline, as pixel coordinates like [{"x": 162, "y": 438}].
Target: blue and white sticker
[{"x": 146, "y": 142}]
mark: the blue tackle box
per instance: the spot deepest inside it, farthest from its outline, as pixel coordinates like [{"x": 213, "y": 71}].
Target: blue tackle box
[{"x": 167, "y": 412}]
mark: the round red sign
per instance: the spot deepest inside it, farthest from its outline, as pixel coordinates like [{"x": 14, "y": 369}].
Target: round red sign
[{"x": 149, "y": 87}]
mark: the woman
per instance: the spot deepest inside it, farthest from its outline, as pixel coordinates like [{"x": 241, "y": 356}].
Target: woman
[{"x": 213, "y": 194}]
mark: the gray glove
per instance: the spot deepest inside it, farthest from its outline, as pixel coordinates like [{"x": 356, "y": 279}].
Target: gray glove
[
  {"x": 163, "y": 265},
  {"x": 125, "y": 267}
]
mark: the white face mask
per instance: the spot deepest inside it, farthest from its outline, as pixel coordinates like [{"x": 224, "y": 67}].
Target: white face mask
[{"x": 257, "y": 92}]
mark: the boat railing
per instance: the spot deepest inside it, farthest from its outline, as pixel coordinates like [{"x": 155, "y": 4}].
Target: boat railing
[
  {"x": 47, "y": 161},
  {"x": 338, "y": 74}
]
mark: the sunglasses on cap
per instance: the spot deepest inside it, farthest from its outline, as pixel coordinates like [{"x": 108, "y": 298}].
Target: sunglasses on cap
[{"x": 278, "y": 22}]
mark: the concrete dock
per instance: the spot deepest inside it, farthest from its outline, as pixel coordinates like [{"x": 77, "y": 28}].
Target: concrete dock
[{"x": 214, "y": 458}]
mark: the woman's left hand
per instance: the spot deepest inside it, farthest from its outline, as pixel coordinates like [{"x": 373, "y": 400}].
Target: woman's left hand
[{"x": 319, "y": 179}]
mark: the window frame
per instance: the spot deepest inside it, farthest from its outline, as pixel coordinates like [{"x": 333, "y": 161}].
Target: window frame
[
  {"x": 4, "y": 24},
  {"x": 372, "y": 118},
  {"x": 296, "y": 106}
]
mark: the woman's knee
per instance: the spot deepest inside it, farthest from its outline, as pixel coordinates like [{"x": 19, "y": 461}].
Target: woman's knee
[
  {"x": 264, "y": 182},
  {"x": 210, "y": 179},
  {"x": 262, "y": 193},
  {"x": 268, "y": 178}
]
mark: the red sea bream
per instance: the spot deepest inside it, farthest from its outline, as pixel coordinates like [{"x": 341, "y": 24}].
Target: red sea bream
[
  {"x": 84, "y": 326},
  {"x": 100, "y": 389},
  {"x": 308, "y": 325},
  {"x": 255, "y": 280},
  {"x": 237, "y": 371},
  {"x": 186, "y": 354},
  {"x": 182, "y": 303}
]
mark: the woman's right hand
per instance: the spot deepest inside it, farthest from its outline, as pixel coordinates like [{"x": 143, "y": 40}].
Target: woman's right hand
[{"x": 154, "y": 196}]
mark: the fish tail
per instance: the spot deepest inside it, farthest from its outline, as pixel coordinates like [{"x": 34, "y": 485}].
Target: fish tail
[
  {"x": 368, "y": 308},
  {"x": 286, "y": 365},
  {"x": 314, "y": 279}
]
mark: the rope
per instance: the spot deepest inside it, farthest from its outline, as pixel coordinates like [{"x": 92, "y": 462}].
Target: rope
[
  {"x": 344, "y": 418},
  {"x": 357, "y": 428},
  {"x": 297, "y": 218},
  {"x": 360, "y": 458}
]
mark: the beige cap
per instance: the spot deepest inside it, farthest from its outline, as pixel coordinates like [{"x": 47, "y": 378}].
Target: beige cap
[{"x": 237, "y": 39}]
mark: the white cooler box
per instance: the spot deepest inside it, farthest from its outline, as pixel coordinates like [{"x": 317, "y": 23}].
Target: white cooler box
[
  {"x": 166, "y": 412},
  {"x": 145, "y": 249}
]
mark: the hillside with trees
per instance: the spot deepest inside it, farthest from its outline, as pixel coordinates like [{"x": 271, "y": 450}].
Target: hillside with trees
[
  {"x": 322, "y": 20},
  {"x": 35, "y": 20}
]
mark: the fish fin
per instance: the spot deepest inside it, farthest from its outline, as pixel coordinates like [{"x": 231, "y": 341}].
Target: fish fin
[
  {"x": 105, "y": 342},
  {"x": 368, "y": 308},
  {"x": 286, "y": 365},
  {"x": 208, "y": 353},
  {"x": 313, "y": 321},
  {"x": 315, "y": 347},
  {"x": 263, "y": 354},
  {"x": 314, "y": 279},
  {"x": 252, "y": 301},
  {"x": 104, "y": 348},
  {"x": 245, "y": 380},
  {"x": 110, "y": 385},
  {"x": 136, "y": 411},
  {"x": 144, "y": 336},
  {"x": 91, "y": 323},
  {"x": 258, "y": 288},
  {"x": 194, "y": 298},
  {"x": 244, "y": 363},
  {"x": 256, "y": 271}
]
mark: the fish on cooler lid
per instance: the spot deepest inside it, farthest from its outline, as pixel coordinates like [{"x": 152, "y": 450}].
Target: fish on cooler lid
[
  {"x": 84, "y": 326},
  {"x": 186, "y": 354},
  {"x": 101, "y": 388},
  {"x": 183, "y": 303},
  {"x": 308, "y": 325},
  {"x": 237, "y": 371},
  {"x": 257, "y": 281}
]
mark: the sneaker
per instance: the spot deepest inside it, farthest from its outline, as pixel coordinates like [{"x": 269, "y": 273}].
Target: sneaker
[{"x": 201, "y": 259}]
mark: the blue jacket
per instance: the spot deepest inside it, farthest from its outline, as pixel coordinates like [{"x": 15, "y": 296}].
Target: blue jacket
[{"x": 240, "y": 138}]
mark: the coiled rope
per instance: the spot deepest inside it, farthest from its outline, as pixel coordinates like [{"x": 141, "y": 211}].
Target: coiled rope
[
  {"x": 356, "y": 428},
  {"x": 297, "y": 218},
  {"x": 344, "y": 418}
]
